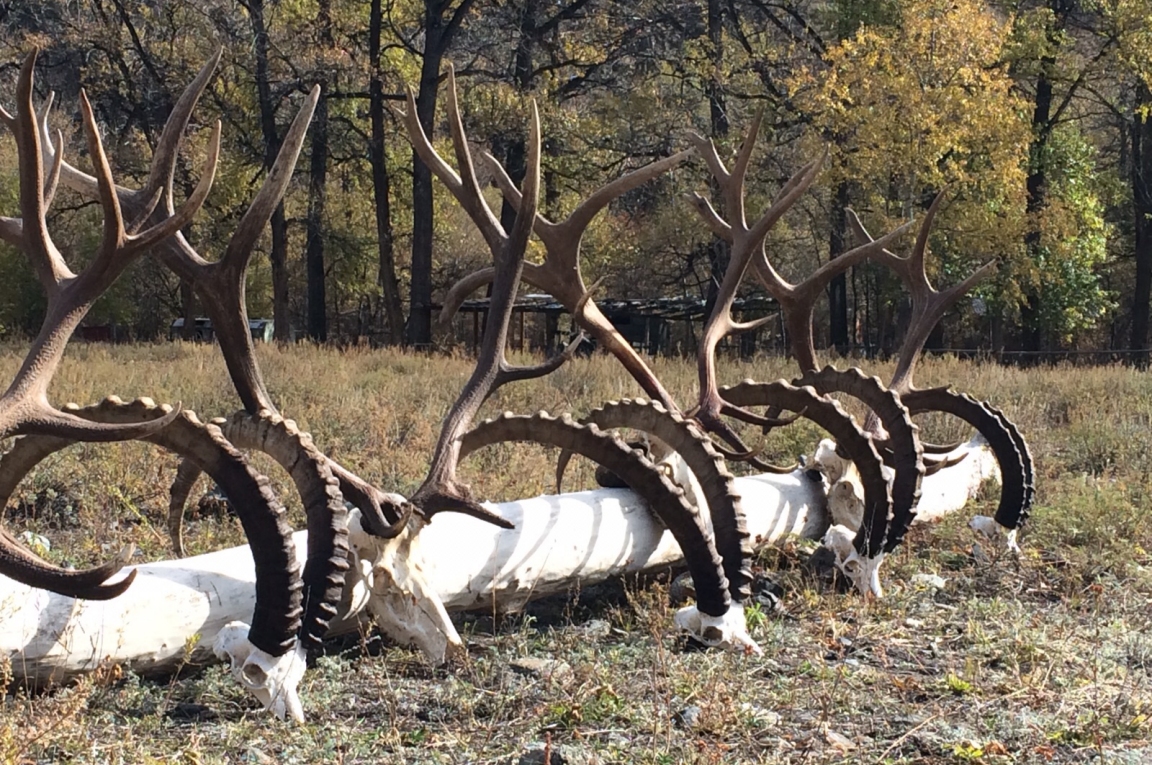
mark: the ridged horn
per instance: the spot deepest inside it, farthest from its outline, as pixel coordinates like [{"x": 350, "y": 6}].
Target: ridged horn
[{"x": 664, "y": 498}]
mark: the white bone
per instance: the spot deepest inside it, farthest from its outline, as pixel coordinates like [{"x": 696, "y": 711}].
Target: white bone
[
  {"x": 393, "y": 588},
  {"x": 864, "y": 573},
  {"x": 273, "y": 680},
  {"x": 993, "y": 531},
  {"x": 729, "y": 631},
  {"x": 558, "y": 542}
]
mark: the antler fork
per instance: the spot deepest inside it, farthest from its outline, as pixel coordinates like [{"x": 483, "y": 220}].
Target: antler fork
[{"x": 928, "y": 306}]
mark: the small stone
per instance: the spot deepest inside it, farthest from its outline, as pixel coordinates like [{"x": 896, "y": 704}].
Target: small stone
[
  {"x": 688, "y": 717},
  {"x": 932, "y": 581},
  {"x": 254, "y": 755},
  {"x": 558, "y": 754},
  {"x": 682, "y": 589},
  {"x": 542, "y": 668},
  {"x": 838, "y": 740},
  {"x": 761, "y": 716},
  {"x": 596, "y": 628}
]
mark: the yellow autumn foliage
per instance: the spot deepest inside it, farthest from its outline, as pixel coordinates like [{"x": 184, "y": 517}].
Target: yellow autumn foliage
[{"x": 921, "y": 105}]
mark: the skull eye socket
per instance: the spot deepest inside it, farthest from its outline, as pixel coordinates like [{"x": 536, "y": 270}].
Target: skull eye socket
[{"x": 254, "y": 674}]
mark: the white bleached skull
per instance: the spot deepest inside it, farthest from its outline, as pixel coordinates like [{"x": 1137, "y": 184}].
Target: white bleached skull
[
  {"x": 729, "y": 631},
  {"x": 845, "y": 489},
  {"x": 828, "y": 462},
  {"x": 864, "y": 573},
  {"x": 273, "y": 680},
  {"x": 387, "y": 579}
]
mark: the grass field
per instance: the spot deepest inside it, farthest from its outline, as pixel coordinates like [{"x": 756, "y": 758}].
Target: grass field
[{"x": 1045, "y": 658}]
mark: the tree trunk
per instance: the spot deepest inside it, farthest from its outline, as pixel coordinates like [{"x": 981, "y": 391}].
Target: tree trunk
[
  {"x": 188, "y": 310},
  {"x": 838, "y": 288},
  {"x": 278, "y": 257},
  {"x": 317, "y": 181},
  {"x": 381, "y": 186},
  {"x": 1141, "y": 177},
  {"x": 438, "y": 34},
  {"x": 719, "y": 254},
  {"x": 419, "y": 330}
]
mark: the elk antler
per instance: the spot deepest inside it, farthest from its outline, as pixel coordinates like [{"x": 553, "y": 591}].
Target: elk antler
[
  {"x": 560, "y": 275},
  {"x": 220, "y": 286},
  {"x": 745, "y": 241},
  {"x": 441, "y": 489},
  {"x": 928, "y": 307},
  {"x": 797, "y": 301},
  {"x": 24, "y": 406}
]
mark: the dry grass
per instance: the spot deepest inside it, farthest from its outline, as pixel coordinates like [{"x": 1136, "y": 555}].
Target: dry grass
[{"x": 1043, "y": 659}]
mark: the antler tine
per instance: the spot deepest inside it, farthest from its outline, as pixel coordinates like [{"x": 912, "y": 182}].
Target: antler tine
[
  {"x": 73, "y": 177},
  {"x": 187, "y": 211},
  {"x": 928, "y": 303},
  {"x": 529, "y": 196},
  {"x": 920, "y": 248},
  {"x": 424, "y": 149},
  {"x": 441, "y": 489},
  {"x": 54, "y": 174},
  {"x": 712, "y": 218},
  {"x": 459, "y": 292},
  {"x": 47, "y": 421},
  {"x": 49, "y": 265},
  {"x": 469, "y": 195},
  {"x": 706, "y": 148},
  {"x": 576, "y": 223},
  {"x": 735, "y": 181},
  {"x": 244, "y": 238},
  {"x": 792, "y": 191},
  {"x": 163, "y": 169},
  {"x": 113, "y": 218}
]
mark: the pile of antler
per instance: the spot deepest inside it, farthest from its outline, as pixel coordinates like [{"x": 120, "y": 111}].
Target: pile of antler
[{"x": 693, "y": 495}]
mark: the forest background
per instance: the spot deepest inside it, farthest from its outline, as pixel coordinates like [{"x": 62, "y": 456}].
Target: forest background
[{"x": 1034, "y": 115}]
